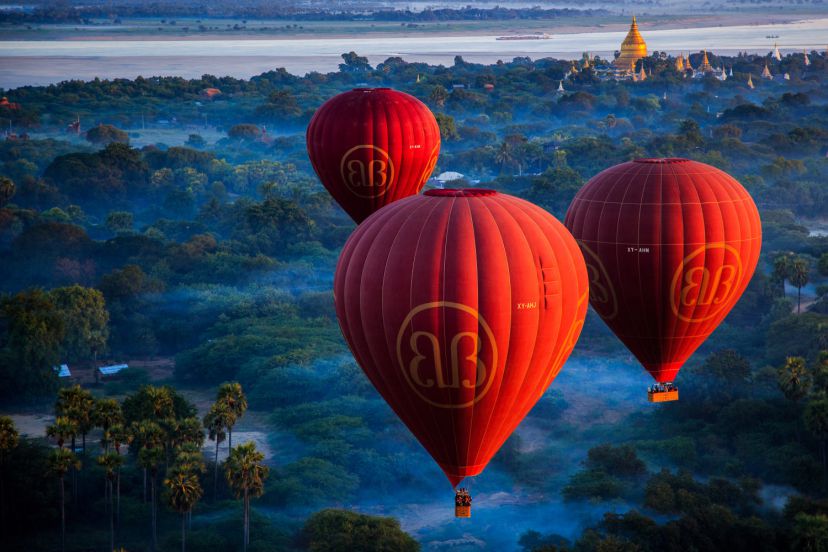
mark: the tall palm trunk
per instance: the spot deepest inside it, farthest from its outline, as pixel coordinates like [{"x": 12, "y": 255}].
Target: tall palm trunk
[
  {"x": 3, "y": 499},
  {"x": 152, "y": 509},
  {"x": 246, "y": 520},
  {"x": 215, "y": 472},
  {"x": 798, "y": 300},
  {"x": 145, "y": 485},
  {"x": 229, "y": 438},
  {"x": 183, "y": 532},
  {"x": 62, "y": 516},
  {"x": 111, "y": 517},
  {"x": 118, "y": 498},
  {"x": 74, "y": 478}
]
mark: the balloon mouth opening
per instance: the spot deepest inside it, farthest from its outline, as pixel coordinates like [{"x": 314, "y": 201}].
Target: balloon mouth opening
[
  {"x": 460, "y": 192},
  {"x": 369, "y": 89},
  {"x": 661, "y": 160}
]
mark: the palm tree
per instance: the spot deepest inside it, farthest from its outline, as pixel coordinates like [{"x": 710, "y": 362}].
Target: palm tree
[
  {"x": 183, "y": 492},
  {"x": 77, "y": 404},
  {"x": 60, "y": 462},
  {"x": 147, "y": 434},
  {"x": 9, "y": 439},
  {"x": 161, "y": 402},
  {"x": 118, "y": 435},
  {"x": 216, "y": 421},
  {"x": 246, "y": 474},
  {"x": 799, "y": 278},
  {"x": 781, "y": 271},
  {"x": 111, "y": 463},
  {"x": 62, "y": 430},
  {"x": 794, "y": 379},
  {"x": 106, "y": 414},
  {"x": 232, "y": 395},
  {"x": 171, "y": 427},
  {"x": 190, "y": 431},
  {"x": 504, "y": 155},
  {"x": 190, "y": 459},
  {"x": 150, "y": 457}
]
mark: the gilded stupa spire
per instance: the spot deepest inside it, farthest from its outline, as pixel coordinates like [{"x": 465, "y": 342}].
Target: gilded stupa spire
[
  {"x": 632, "y": 49},
  {"x": 705, "y": 65}
]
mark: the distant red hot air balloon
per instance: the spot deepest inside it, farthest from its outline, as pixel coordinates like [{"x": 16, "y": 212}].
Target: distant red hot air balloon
[
  {"x": 372, "y": 146},
  {"x": 670, "y": 245},
  {"x": 461, "y": 306}
]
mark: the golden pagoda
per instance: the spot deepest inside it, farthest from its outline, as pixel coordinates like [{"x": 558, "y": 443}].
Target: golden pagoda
[
  {"x": 680, "y": 62},
  {"x": 750, "y": 82},
  {"x": 705, "y": 65},
  {"x": 632, "y": 49},
  {"x": 766, "y": 74},
  {"x": 641, "y": 76}
]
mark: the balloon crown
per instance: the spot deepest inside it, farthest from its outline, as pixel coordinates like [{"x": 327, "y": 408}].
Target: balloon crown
[
  {"x": 460, "y": 192},
  {"x": 661, "y": 160}
]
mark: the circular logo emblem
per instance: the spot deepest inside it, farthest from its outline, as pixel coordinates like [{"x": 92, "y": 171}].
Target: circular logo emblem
[
  {"x": 569, "y": 342},
  {"x": 367, "y": 171},
  {"x": 447, "y": 371},
  {"x": 696, "y": 286},
  {"x": 432, "y": 162},
  {"x": 601, "y": 293}
]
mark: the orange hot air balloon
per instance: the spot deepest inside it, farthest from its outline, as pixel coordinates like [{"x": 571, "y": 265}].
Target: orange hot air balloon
[
  {"x": 372, "y": 146},
  {"x": 461, "y": 306},
  {"x": 670, "y": 245}
]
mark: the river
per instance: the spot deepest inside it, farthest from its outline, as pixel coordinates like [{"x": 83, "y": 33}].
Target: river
[{"x": 41, "y": 62}]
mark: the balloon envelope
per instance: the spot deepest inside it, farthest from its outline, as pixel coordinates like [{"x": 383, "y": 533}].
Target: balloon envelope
[
  {"x": 461, "y": 306},
  {"x": 670, "y": 245},
  {"x": 372, "y": 146}
]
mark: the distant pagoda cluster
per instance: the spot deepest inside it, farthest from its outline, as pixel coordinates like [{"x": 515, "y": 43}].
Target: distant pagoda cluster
[{"x": 629, "y": 64}]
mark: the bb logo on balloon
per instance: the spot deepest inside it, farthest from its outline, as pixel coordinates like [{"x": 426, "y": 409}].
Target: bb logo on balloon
[
  {"x": 367, "y": 171},
  {"x": 447, "y": 371},
  {"x": 432, "y": 162},
  {"x": 697, "y": 287},
  {"x": 601, "y": 293}
]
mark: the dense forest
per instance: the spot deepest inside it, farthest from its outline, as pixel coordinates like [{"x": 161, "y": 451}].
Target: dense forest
[{"x": 206, "y": 257}]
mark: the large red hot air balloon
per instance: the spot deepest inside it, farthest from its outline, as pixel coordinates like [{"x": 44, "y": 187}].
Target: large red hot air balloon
[
  {"x": 670, "y": 245},
  {"x": 372, "y": 146},
  {"x": 461, "y": 306}
]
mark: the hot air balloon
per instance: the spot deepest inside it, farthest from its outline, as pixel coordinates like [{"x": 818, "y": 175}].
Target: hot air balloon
[
  {"x": 372, "y": 146},
  {"x": 670, "y": 245},
  {"x": 461, "y": 306}
]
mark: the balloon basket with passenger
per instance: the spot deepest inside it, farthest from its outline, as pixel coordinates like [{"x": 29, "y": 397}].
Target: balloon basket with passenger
[
  {"x": 462, "y": 503},
  {"x": 662, "y": 392}
]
